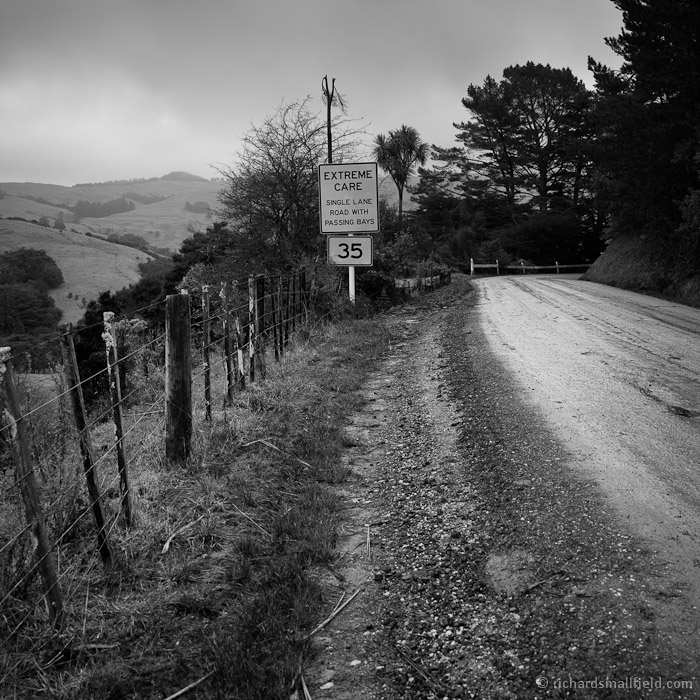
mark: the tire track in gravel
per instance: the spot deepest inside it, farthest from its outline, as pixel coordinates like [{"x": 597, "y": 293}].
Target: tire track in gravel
[{"x": 494, "y": 571}]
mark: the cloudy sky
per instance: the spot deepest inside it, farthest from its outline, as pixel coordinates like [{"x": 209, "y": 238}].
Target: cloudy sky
[{"x": 95, "y": 90}]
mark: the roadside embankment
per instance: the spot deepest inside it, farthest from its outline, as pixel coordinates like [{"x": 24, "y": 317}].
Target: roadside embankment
[{"x": 650, "y": 267}]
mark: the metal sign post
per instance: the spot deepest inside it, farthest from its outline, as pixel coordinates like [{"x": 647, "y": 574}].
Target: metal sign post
[
  {"x": 351, "y": 282},
  {"x": 349, "y": 204}
]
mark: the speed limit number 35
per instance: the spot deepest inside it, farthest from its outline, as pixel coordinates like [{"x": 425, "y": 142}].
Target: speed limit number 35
[{"x": 350, "y": 250}]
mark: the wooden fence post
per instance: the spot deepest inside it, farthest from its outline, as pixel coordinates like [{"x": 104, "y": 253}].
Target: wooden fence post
[
  {"x": 279, "y": 303},
  {"x": 286, "y": 306},
  {"x": 228, "y": 355},
  {"x": 239, "y": 365},
  {"x": 26, "y": 480},
  {"x": 260, "y": 326},
  {"x": 293, "y": 301},
  {"x": 251, "y": 328},
  {"x": 72, "y": 373},
  {"x": 110, "y": 338},
  {"x": 273, "y": 315},
  {"x": 206, "y": 355},
  {"x": 304, "y": 299},
  {"x": 178, "y": 378}
]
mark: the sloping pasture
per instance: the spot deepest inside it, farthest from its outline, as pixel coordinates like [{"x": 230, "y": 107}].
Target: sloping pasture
[{"x": 89, "y": 265}]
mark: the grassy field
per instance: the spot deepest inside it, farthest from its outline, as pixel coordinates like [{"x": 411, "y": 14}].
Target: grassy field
[
  {"x": 89, "y": 265},
  {"x": 163, "y": 224}
]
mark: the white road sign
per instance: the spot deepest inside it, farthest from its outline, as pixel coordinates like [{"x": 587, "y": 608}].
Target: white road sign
[
  {"x": 350, "y": 250},
  {"x": 349, "y": 197}
]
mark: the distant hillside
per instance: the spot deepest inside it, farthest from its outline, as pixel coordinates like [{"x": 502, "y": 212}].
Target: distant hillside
[
  {"x": 161, "y": 215},
  {"x": 89, "y": 265},
  {"x": 166, "y": 210},
  {"x": 176, "y": 175}
]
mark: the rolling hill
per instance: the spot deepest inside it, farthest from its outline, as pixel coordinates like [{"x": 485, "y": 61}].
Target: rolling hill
[
  {"x": 159, "y": 216},
  {"x": 165, "y": 212},
  {"x": 89, "y": 265}
]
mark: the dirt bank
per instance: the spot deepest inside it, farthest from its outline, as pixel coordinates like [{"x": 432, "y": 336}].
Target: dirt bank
[{"x": 650, "y": 267}]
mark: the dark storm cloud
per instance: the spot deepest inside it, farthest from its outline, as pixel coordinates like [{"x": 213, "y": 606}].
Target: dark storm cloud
[{"x": 100, "y": 90}]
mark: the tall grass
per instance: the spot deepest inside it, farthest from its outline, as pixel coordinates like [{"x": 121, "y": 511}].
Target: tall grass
[{"x": 212, "y": 583}]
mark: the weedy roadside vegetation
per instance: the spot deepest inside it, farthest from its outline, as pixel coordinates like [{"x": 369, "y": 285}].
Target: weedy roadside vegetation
[{"x": 210, "y": 589}]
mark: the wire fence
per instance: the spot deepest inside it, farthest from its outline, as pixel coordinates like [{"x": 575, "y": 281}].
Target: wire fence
[
  {"x": 87, "y": 449},
  {"x": 77, "y": 445}
]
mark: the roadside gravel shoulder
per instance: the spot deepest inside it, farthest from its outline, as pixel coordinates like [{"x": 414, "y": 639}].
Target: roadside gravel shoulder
[{"x": 485, "y": 568}]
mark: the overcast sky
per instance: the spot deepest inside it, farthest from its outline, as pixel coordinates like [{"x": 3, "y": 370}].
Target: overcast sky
[{"x": 95, "y": 90}]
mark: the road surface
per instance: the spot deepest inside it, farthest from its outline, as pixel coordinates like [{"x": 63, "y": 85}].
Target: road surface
[
  {"x": 616, "y": 376},
  {"x": 489, "y": 562}
]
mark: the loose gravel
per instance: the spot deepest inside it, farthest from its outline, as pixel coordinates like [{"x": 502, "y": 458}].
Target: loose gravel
[{"x": 486, "y": 568}]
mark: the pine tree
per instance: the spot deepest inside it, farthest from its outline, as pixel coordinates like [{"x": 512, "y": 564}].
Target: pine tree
[
  {"x": 524, "y": 137},
  {"x": 648, "y": 114}
]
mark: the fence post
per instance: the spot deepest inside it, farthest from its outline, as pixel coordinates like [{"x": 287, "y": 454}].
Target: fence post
[
  {"x": 293, "y": 302},
  {"x": 260, "y": 323},
  {"x": 286, "y": 305},
  {"x": 251, "y": 328},
  {"x": 471, "y": 266},
  {"x": 273, "y": 314},
  {"x": 110, "y": 339},
  {"x": 304, "y": 294},
  {"x": 280, "y": 316},
  {"x": 178, "y": 378},
  {"x": 72, "y": 373},
  {"x": 228, "y": 359},
  {"x": 206, "y": 356},
  {"x": 498, "y": 271},
  {"x": 239, "y": 364},
  {"x": 26, "y": 480}
]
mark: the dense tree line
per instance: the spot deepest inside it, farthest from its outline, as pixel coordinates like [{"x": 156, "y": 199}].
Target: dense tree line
[
  {"x": 647, "y": 116},
  {"x": 147, "y": 198},
  {"x": 97, "y": 210},
  {"x": 547, "y": 169},
  {"x": 25, "y": 308},
  {"x": 176, "y": 176},
  {"x": 198, "y": 207},
  {"x": 520, "y": 183},
  {"x": 27, "y": 265},
  {"x": 28, "y": 315}
]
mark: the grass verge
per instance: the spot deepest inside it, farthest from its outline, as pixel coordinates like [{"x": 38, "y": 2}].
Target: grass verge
[{"x": 211, "y": 586}]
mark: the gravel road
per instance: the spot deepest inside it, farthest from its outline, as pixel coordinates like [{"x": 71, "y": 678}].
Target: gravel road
[
  {"x": 617, "y": 377},
  {"x": 521, "y": 517}
]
